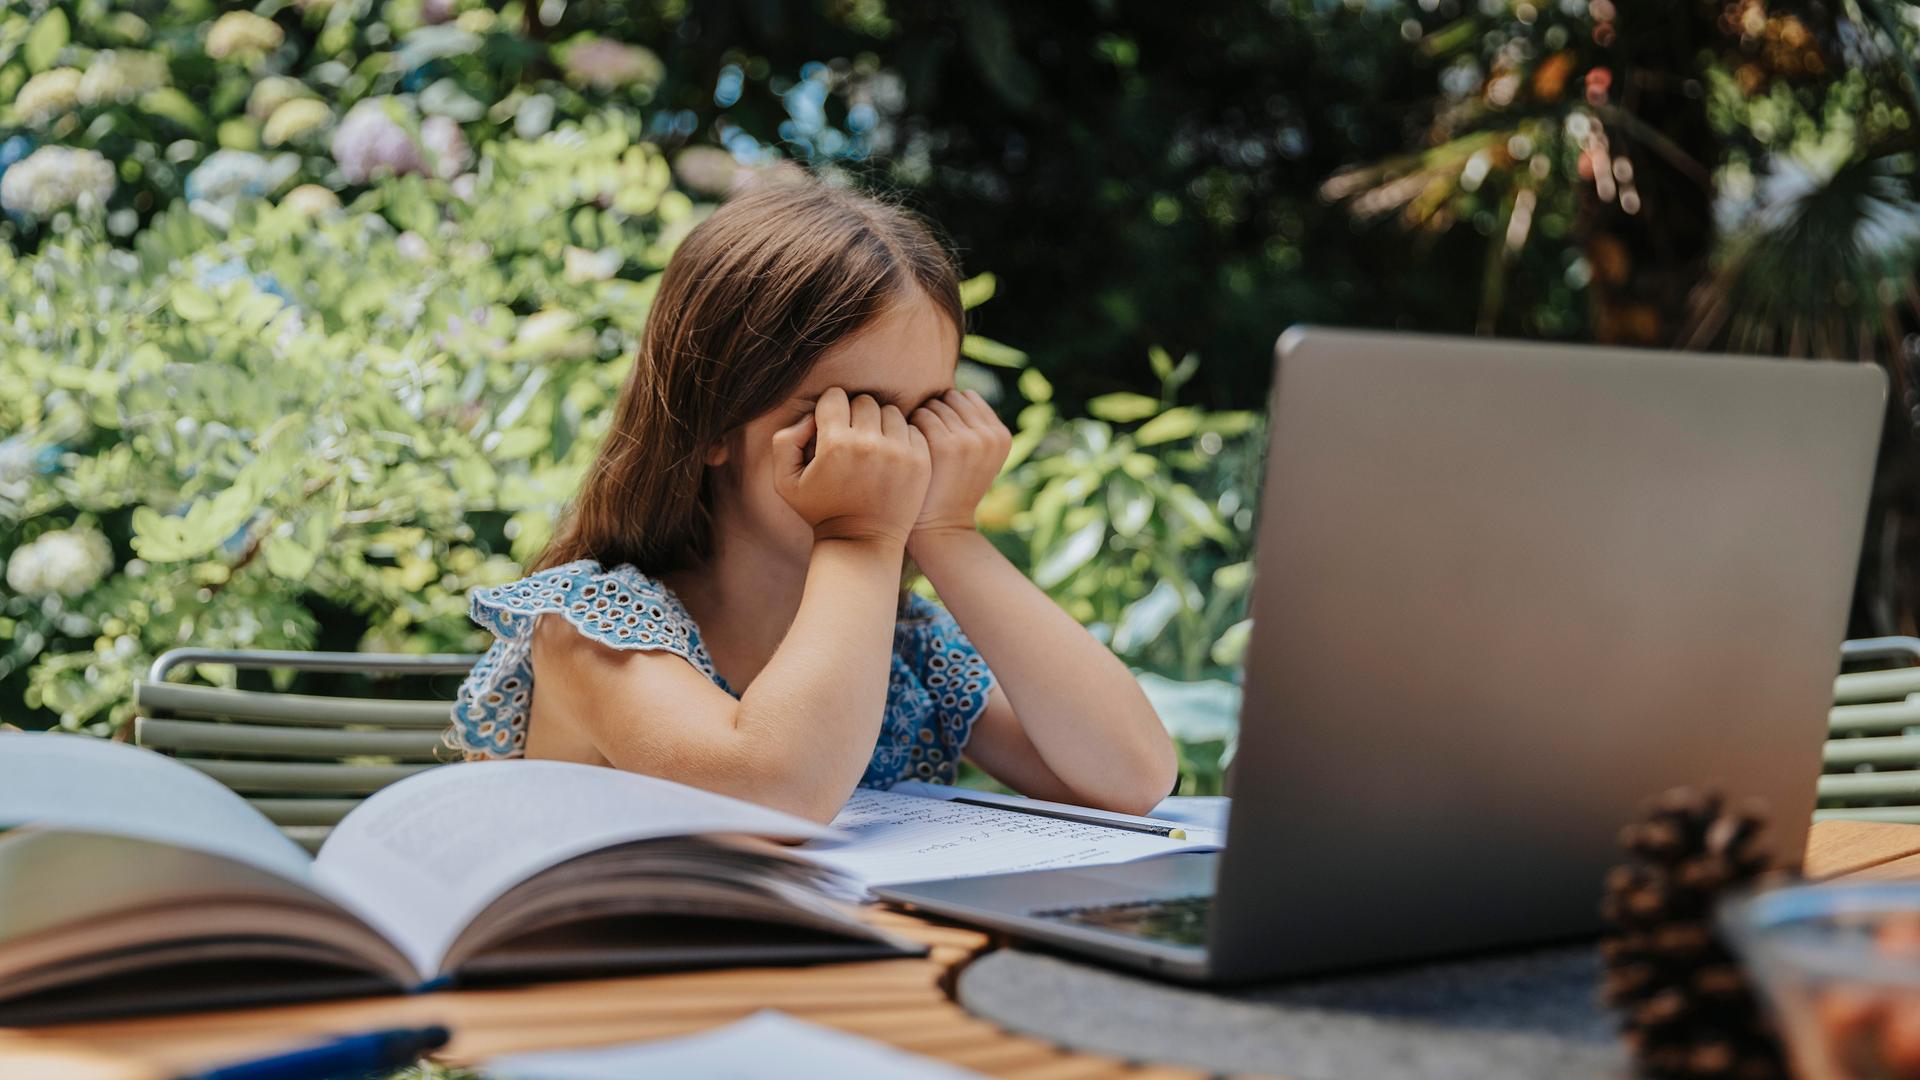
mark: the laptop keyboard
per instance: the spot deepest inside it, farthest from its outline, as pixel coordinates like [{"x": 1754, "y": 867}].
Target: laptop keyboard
[{"x": 1179, "y": 920}]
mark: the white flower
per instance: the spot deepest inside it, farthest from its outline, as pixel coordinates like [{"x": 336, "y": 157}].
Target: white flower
[
  {"x": 300, "y": 116},
  {"x": 66, "y": 561},
  {"x": 412, "y": 245},
  {"x": 583, "y": 265},
  {"x": 243, "y": 31},
  {"x": 47, "y": 96},
  {"x": 533, "y": 116},
  {"x": 605, "y": 64},
  {"x": 446, "y": 146},
  {"x": 53, "y": 178},
  {"x": 227, "y": 176},
  {"x": 16, "y": 468},
  {"x": 117, "y": 76}
]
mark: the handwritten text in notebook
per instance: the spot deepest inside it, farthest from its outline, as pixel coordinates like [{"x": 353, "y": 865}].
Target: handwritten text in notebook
[{"x": 897, "y": 837}]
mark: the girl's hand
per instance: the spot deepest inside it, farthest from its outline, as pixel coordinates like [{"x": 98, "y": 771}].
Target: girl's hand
[
  {"x": 969, "y": 444},
  {"x": 868, "y": 474}
]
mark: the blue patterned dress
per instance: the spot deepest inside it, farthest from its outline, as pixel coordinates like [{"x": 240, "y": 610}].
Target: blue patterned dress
[{"x": 936, "y": 689}]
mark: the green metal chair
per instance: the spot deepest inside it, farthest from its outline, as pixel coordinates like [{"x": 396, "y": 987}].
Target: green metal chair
[
  {"x": 1872, "y": 758},
  {"x": 302, "y": 760}
]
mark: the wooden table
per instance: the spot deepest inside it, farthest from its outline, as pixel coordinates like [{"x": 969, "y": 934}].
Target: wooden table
[{"x": 905, "y": 1003}]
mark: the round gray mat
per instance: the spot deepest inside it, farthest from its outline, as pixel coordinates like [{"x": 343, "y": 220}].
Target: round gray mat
[{"x": 1521, "y": 1016}]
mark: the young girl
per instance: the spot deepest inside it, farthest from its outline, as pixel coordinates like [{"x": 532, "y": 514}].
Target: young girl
[{"x": 722, "y": 605}]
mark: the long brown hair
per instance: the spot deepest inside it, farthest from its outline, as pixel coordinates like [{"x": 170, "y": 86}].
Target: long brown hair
[{"x": 750, "y": 300}]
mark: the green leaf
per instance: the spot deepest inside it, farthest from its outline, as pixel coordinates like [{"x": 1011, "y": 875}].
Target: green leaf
[
  {"x": 1129, "y": 505},
  {"x": 169, "y": 103},
  {"x": 1195, "y": 509},
  {"x": 1145, "y": 618},
  {"x": 1070, "y": 554},
  {"x": 989, "y": 351},
  {"x": 1233, "y": 577},
  {"x": 287, "y": 558},
  {"x": 1123, "y": 408},
  {"x": 1035, "y": 387},
  {"x": 521, "y": 443},
  {"x": 193, "y": 303},
  {"x": 1230, "y": 648},
  {"x": 1176, "y": 423},
  {"x": 1161, "y": 362},
  {"x": 977, "y": 290},
  {"x": 1205, "y": 711},
  {"x": 1229, "y": 423},
  {"x": 49, "y": 35},
  {"x": 472, "y": 477}
]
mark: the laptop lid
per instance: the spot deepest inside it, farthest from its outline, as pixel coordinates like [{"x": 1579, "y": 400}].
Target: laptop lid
[{"x": 1504, "y": 593}]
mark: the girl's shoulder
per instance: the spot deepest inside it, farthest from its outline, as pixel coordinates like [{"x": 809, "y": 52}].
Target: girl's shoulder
[{"x": 618, "y": 606}]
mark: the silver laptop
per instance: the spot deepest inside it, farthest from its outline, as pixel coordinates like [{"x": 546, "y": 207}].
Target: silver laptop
[{"x": 1505, "y": 592}]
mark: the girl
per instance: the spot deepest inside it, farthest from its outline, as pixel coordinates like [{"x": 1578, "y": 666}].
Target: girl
[{"x": 722, "y": 604}]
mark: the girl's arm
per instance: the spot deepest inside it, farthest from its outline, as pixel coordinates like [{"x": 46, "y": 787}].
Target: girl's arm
[
  {"x": 801, "y": 735},
  {"x": 1072, "y": 723}
]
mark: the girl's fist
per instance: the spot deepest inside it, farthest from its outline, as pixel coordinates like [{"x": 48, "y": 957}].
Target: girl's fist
[
  {"x": 867, "y": 477},
  {"x": 969, "y": 445}
]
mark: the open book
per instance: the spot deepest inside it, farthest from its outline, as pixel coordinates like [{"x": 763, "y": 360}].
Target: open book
[{"x": 130, "y": 882}]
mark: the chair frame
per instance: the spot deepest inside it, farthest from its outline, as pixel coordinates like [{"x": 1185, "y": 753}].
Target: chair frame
[{"x": 203, "y": 726}]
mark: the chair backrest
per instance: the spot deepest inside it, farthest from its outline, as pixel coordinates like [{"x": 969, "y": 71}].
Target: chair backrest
[
  {"x": 1872, "y": 758},
  {"x": 302, "y": 760}
]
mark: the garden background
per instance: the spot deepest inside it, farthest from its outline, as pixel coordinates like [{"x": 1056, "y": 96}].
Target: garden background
[{"x": 310, "y": 309}]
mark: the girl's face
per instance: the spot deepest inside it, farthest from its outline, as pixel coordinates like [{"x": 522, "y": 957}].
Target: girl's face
[{"x": 905, "y": 357}]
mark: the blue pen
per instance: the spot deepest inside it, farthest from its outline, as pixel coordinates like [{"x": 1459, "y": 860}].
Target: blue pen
[{"x": 350, "y": 1055}]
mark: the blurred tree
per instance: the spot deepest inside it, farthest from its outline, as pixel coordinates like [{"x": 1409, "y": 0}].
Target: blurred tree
[
  {"x": 1136, "y": 173},
  {"x": 1736, "y": 174}
]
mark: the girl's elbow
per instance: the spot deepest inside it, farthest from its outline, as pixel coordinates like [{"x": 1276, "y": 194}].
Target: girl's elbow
[{"x": 1157, "y": 777}]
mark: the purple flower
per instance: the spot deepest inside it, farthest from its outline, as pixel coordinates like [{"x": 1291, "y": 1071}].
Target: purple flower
[{"x": 371, "y": 140}]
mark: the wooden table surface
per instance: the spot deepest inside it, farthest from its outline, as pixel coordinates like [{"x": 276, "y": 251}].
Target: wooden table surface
[{"x": 904, "y": 1003}]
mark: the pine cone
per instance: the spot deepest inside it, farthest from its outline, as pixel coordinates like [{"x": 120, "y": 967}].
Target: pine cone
[{"x": 1687, "y": 1011}]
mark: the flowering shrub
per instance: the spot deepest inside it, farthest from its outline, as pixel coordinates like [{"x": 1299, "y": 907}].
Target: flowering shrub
[
  {"x": 248, "y": 420},
  {"x": 344, "y": 91}
]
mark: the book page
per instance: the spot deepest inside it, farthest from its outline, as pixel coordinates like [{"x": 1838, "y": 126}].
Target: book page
[
  {"x": 97, "y": 785},
  {"x": 425, "y": 856},
  {"x": 893, "y": 837},
  {"x": 768, "y": 1043}
]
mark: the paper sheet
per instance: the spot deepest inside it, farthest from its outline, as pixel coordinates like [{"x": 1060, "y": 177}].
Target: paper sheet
[
  {"x": 765, "y": 1044},
  {"x": 1205, "y": 811},
  {"x": 912, "y": 833}
]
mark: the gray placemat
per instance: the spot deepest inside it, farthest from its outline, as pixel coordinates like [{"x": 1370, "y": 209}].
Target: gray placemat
[{"x": 1519, "y": 1016}]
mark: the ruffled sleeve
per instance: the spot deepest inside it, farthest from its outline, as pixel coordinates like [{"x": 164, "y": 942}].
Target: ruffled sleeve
[{"x": 620, "y": 608}]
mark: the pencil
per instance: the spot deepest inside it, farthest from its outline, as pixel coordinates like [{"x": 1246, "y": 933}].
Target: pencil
[{"x": 1167, "y": 831}]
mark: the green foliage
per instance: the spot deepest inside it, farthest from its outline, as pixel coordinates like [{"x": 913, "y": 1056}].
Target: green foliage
[
  {"x": 355, "y": 414},
  {"x": 1137, "y": 520}
]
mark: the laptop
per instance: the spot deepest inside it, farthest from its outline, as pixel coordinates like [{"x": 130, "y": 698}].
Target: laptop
[{"x": 1505, "y": 593}]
